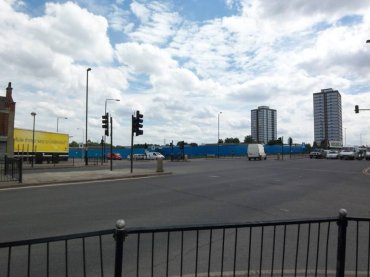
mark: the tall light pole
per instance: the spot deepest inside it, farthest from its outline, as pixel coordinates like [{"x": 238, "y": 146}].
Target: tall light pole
[
  {"x": 87, "y": 101},
  {"x": 109, "y": 99},
  {"x": 105, "y": 112},
  {"x": 218, "y": 134},
  {"x": 58, "y": 122},
  {"x": 83, "y": 139},
  {"x": 33, "y": 136}
]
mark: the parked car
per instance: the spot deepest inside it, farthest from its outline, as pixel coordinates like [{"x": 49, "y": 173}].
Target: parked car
[
  {"x": 367, "y": 155},
  {"x": 332, "y": 154},
  {"x": 348, "y": 153},
  {"x": 316, "y": 154},
  {"x": 114, "y": 156},
  {"x": 137, "y": 157}
]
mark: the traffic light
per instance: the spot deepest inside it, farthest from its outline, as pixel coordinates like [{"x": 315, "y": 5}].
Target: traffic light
[
  {"x": 290, "y": 141},
  {"x": 105, "y": 121},
  {"x": 357, "y": 110},
  {"x": 139, "y": 120},
  {"x": 137, "y": 124}
]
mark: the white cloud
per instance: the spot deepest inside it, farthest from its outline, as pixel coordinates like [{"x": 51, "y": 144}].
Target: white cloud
[
  {"x": 181, "y": 73},
  {"x": 158, "y": 23},
  {"x": 70, "y": 30},
  {"x": 144, "y": 58}
]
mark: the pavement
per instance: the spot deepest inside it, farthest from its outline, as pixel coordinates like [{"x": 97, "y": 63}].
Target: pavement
[{"x": 68, "y": 172}]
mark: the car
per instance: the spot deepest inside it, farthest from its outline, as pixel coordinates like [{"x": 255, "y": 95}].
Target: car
[
  {"x": 367, "y": 155},
  {"x": 137, "y": 157},
  {"x": 347, "y": 153},
  {"x": 332, "y": 154},
  {"x": 114, "y": 156},
  {"x": 316, "y": 154}
]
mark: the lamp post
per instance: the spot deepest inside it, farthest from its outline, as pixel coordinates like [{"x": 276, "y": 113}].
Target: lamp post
[
  {"x": 105, "y": 112},
  {"x": 83, "y": 139},
  {"x": 33, "y": 137},
  {"x": 58, "y": 122},
  {"x": 218, "y": 134},
  {"x": 87, "y": 101}
]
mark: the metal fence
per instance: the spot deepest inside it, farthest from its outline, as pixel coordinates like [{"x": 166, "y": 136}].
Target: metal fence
[
  {"x": 338, "y": 246},
  {"x": 10, "y": 169}
]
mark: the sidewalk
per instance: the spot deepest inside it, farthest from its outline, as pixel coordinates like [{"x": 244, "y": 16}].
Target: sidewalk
[{"x": 77, "y": 173}]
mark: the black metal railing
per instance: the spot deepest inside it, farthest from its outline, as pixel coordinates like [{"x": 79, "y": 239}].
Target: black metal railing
[
  {"x": 338, "y": 246},
  {"x": 10, "y": 169}
]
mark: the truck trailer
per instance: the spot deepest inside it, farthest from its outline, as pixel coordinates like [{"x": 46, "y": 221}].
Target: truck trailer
[{"x": 40, "y": 145}]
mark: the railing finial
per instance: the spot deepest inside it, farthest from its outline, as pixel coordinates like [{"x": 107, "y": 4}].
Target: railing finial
[{"x": 120, "y": 224}]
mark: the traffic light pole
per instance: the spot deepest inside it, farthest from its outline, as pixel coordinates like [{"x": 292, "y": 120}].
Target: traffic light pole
[
  {"x": 111, "y": 144},
  {"x": 132, "y": 142}
]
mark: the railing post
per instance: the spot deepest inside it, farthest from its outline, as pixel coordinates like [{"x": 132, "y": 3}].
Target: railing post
[
  {"x": 20, "y": 168},
  {"x": 341, "y": 247},
  {"x": 119, "y": 236}
]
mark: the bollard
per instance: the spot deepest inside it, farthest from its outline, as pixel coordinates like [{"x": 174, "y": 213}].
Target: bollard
[
  {"x": 185, "y": 158},
  {"x": 160, "y": 165},
  {"x": 119, "y": 236}
]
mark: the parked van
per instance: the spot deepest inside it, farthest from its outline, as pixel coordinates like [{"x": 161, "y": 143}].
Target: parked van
[
  {"x": 153, "y": 155},
  {"x": 256, "y": 151}
]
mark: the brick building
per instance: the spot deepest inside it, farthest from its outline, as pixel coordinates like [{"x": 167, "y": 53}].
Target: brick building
[{"x": 7, "y": 113}]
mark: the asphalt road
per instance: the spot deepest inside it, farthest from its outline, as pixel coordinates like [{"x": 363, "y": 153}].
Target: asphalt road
[{"x": 199, "y": 191}]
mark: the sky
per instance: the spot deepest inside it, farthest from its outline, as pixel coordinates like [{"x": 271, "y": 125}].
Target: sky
[{"x": 181, "y": 63}]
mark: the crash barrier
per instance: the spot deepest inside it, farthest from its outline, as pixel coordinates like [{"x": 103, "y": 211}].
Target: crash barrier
[
  {"x": 10, "y": 169},
  {"x": 334, "y": 246}
]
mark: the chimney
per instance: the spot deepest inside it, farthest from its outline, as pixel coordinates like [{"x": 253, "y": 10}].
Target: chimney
[{"x": 9, "y": 90}]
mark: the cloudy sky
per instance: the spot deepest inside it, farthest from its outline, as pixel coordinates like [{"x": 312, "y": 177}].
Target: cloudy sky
[{"x": 181, "y": 62}]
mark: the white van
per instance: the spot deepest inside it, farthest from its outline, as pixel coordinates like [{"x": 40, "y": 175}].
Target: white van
[
  {"x": 256, "y": 151},
  {"x": 153, "y": 155}
]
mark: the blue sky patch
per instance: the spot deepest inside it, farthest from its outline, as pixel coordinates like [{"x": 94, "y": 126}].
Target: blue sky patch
[{"x": 350, "y": 20}]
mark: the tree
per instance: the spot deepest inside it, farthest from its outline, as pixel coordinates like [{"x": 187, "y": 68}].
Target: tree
[
  {"x": 275, "y": 141},
  {"x": 248, "y": 139},
  {"x": 73, "y": 144},
  {"x": 220, "y": 141},
  {"x": 232, "y": 140}
]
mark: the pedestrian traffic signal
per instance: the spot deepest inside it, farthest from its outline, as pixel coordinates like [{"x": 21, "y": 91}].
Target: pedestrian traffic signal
[
  {"x": 105, "y": 121},
  {"x": 357, "y": 110}
]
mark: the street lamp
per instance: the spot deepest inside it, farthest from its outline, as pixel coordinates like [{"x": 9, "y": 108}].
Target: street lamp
[
  {"x": 33, "y": 136},
  {"x": 83, "y": 139},
  {"x": 109, "y": 99},
  {"x": 58, "y": 121},
  {"x": 87, "y": 99},
  {"x": 218, "y": 134},
  {"x": 105, "y": 112}
]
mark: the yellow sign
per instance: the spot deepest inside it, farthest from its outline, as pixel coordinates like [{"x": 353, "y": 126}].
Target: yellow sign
[{"x": 45, "y": 142}]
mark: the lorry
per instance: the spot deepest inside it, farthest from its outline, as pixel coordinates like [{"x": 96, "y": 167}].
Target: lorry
[
  {"x": 41, "y": 145},
  {"x": 256, "y": 151}
]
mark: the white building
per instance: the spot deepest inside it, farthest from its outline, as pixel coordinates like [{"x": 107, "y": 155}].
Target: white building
[
  {"x": 327, "y": 110},
  {"x": 263, "y": 124}
]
